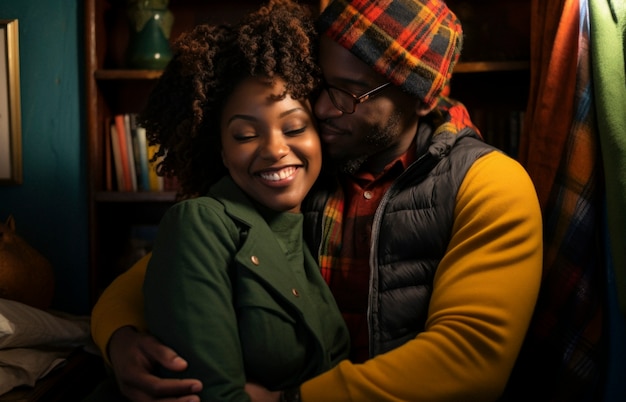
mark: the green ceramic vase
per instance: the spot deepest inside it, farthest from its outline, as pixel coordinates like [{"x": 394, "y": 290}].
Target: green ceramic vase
[{"x": 150, "y": 27}]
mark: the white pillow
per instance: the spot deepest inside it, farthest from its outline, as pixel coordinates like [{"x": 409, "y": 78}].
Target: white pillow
[{"x": 23, "y": 326}]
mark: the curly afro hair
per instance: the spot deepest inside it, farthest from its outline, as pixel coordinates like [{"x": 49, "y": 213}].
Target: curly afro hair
[{"x": 182, "y": 115}]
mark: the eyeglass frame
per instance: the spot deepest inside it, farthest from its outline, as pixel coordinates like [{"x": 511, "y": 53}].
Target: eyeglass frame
[{"x": 355, "y": 99}]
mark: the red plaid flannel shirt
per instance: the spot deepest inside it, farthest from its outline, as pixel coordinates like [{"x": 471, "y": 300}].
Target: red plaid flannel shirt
[{"x": 350, "y": 282}]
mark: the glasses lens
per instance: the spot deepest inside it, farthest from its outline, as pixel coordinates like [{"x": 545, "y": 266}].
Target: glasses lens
[{"x": 342, "y": 100}]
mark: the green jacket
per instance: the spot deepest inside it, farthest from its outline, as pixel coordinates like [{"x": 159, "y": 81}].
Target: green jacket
[{"x": 232, "y": 288}]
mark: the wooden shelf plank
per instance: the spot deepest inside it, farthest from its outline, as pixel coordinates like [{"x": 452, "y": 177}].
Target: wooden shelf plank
[
  {"x": 135, "y": 196},
  {"x": 462, "y": 67},
  {"x": 490, "y": 66},
  {"x": 119, "y": 74}
]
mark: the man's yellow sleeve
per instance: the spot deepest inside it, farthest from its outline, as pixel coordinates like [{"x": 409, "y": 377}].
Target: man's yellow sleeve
[{"x": 120, "y": 305}]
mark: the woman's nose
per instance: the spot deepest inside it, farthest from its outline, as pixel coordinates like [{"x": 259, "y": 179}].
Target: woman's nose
[{"x": 275, "y": 147}]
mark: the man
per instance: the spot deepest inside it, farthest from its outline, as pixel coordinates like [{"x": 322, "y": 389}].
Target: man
[{"x": 429, "y": 239}]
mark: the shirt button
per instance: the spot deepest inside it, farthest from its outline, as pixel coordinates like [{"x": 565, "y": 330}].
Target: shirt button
[
  {"x": 368, "y": 195},
  {"x": 295, "y": 292},
  {"x": 255, "y": 260}
]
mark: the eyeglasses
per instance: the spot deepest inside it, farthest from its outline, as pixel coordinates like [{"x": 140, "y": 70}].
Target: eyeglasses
[{"x": 346, "y": 101}]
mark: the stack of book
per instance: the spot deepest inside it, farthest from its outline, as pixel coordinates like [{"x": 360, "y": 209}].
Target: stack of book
[
  {"x": 130, "y": 162},
  {"x": 500, "y": 128}
]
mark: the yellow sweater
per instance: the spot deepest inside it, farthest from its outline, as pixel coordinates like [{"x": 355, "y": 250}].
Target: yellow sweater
[{"x": 484, "y": 294}]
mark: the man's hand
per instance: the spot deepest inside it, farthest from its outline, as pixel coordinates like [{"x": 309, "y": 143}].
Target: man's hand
[{"x": 136, "y": 356}]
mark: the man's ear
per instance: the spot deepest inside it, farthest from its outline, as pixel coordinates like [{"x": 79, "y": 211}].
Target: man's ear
[{"x": 422, "y": 109}]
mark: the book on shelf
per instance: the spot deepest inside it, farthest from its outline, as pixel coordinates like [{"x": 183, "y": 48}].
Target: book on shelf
[
  {"x": 119, "y": 128},
  {"x": 131, "y": 152},
  {"x": 140, "y": 152},
  {"x": 500, "y": 128},
  {"x": 117, "y": 165},
  {"x": 156, "y": 181},
  {"x": 515, "y": 128}
]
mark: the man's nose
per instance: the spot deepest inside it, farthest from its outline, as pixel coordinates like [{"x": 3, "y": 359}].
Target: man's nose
[{"x": 324, "y": 108}]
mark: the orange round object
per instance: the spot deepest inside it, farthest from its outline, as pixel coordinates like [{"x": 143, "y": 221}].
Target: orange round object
[{"x": 26, "y": 276}]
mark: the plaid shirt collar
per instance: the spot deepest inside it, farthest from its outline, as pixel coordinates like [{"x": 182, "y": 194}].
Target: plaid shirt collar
[{"x": 393, "y": 169}]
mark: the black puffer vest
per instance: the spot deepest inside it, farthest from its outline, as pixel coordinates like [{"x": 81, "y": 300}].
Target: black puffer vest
[{"x": 410, "y": 233}]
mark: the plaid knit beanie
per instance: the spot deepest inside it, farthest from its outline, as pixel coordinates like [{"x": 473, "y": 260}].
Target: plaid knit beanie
[{"x": 414, "y": 43}]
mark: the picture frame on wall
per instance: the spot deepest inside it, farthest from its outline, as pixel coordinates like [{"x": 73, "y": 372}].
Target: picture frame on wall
[{"x": 10, "y": 108}]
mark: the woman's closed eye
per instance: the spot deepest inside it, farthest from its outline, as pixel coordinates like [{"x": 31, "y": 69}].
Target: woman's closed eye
[
  {"x": 245, "y": 136},
  {"x": 295, "y": 131}
]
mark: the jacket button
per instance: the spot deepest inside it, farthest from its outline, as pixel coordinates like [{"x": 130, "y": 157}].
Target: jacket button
[
  {"x": 367, "y": 195},
  {"x": 295, "y": 292},
  {"x": 255, "y": 260}
]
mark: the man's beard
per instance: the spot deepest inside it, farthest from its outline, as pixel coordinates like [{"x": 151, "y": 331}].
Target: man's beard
[{"x": 378, "y": 139}]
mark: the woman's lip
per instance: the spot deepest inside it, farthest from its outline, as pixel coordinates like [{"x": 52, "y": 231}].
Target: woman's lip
[
  {"x": 287, "y": 170},
  {"x": 275, "y": 169},
  {"x": 266, "y": 176}
]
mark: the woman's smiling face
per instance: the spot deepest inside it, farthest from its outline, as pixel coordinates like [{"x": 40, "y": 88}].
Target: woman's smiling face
[{"x": 270, "y": 145}]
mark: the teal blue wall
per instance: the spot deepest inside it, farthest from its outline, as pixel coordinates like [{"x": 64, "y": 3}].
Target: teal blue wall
[{"x": 50, "y": 207}]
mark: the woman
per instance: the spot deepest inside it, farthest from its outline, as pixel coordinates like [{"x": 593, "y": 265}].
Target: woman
[{"x": 230, "y": 284}]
